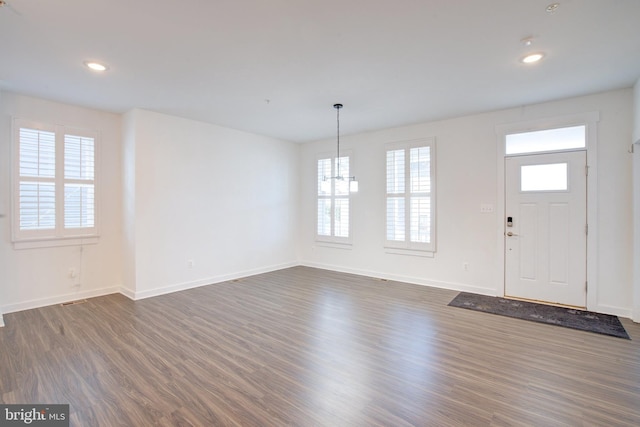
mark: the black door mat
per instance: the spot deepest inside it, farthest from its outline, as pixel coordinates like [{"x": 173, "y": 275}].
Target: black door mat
[{"x": 560, "y": 316}]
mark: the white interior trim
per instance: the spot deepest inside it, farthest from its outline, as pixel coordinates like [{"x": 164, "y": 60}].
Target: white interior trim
[
  {"x": 43, "y": 302},
  {"x": 617, "y": 311},
  {"x": 402, "y": 278},
  {"x": 37, "y": 303},
  {"x": 590, "y": 119},
  {"x": 138, "y": 295}
]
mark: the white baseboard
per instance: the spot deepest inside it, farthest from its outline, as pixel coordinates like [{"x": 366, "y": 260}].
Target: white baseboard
[
  {"x": 128, "y": 293},
  {"x": 43, "y": 302},
  {"x": 462, "y": 287},
  {"x": 202, "y": 282},
  {"x": 407, "y": 279},
  {"x": 150, "y": 293},
  {"x": 36, "y": 303}
]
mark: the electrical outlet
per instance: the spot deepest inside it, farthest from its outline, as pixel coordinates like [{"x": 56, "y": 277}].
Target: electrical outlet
[
  {"x": 465, "y": 265},
  {"x": 190, "y": 263},
  {"x": 72, "y": 273}
]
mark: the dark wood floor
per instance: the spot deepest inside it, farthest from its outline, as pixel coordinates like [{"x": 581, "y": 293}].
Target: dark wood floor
[{"x": 309, "y": 347}]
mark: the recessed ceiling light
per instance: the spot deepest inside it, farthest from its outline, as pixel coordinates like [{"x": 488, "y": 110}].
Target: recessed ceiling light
[
  {"x": 532, "y": 58},
  {"x": 95, "y": 66},
  {"x": 552, "y": 7}
]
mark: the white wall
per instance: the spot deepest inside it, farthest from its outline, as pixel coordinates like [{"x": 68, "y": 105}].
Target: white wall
[
  {"x": 466, "y": 178},
  {"x": 636, "y": 201},
  {"x": 36, "y": 277},
  {"x": 4, "y": 206},
  {"x": 129, "y": 204},
  {"x": 228, "y": 200},
  {"x": 250, "y": 206},
  {"x": 172, "y": 190}
]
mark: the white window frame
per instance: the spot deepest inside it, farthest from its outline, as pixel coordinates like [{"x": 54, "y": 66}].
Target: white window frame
[
  {"x": 562, "y": 146},
  {"x": 332, "y": 240},
  {"x": 407, "y": 247},
  {"x": 59, "y": 235}
]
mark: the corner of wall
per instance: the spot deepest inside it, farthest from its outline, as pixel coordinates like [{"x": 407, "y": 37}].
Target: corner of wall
[
  {"x": 636, "y": 202},
  {"x": 128, "y": 293},
  {"x": 2, "y": 204},
  {"x": 128, "y": 203}
]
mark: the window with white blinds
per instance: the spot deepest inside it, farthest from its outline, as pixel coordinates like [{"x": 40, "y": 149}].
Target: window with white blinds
[
  {"x": 55, "y": 186},
  {"x": 37, "y": 169},
  {"x": 410, "y": 195},
  {"x": 79, "y": 186},
  {"x": 333, "y": 216}
]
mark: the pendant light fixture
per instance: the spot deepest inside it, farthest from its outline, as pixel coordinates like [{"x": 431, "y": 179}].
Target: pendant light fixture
[{"x": 353, "y": 184}]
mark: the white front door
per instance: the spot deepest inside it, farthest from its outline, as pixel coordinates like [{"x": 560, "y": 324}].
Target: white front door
[{"x": 546, "y": 227}]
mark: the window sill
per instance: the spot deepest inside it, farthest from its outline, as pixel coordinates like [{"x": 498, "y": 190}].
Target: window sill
[
  {"x": 55, "y": 242},
  {"x": 410, "y": 252},
  {"x": 334, "y": 245}
]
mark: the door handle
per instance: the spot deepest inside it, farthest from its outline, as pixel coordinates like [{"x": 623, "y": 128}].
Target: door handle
[{"x": 510, "y": 234}]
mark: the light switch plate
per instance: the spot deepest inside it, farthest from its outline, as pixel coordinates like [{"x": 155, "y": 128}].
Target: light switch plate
[{"x": 486, "y": 208}]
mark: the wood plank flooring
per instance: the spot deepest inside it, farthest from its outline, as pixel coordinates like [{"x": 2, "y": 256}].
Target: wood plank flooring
[{"x": 309, "y": 347}]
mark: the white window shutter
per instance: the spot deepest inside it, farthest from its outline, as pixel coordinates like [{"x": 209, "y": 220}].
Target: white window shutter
[
  {"x": 37, "y": 205},
  {"x": 410, "y": 197},
  {"x": 54, "y": 184},
  {"x": 36, "y": 189},
  {"x": 79, "y": 187},
  {"x": 333, "y": 200},
  {"x": 395, "y": 195}
]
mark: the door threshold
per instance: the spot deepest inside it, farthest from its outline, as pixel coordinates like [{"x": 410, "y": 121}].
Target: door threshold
[{"x": 554, "y": 304}]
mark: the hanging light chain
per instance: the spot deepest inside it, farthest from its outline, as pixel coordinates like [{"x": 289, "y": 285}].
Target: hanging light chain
[
  {"x": 338, "y": 176},
  {"x": 338, "y": 107}
]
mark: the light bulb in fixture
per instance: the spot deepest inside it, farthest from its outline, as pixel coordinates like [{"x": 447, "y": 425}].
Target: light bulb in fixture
[
  {"x": 532, "y": 58},
  {"x": 95, "y": 66}
]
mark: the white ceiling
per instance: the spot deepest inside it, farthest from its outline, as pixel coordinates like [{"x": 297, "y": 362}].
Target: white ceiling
[{"x": 276, "y": 67}]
